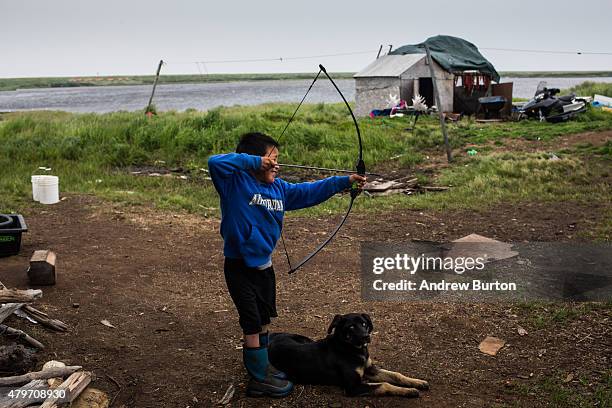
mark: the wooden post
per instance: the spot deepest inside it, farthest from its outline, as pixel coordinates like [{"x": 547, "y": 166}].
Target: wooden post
[
  {"x": 161, "y": 62},
  {"x": 42, "y": 268},
  {"x": 449, "y": 157},
  {"x": 379, "y": 50}
]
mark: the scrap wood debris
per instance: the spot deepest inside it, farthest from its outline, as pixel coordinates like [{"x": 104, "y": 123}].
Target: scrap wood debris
[
  {"x": 227, "y": 397},
  {"x": 45, "y": 374},
  {"x": 17, "y": 359},
  {"x": 107, "y": 324},
  {"x": 404, "y": 185},
  {"x": 15, "y": 302},
  {"x": 491, "y": 345},
  {"x": 19, "y": 296},
  {"x": 178, "y": 173},
  {"x": 73, "y": 390},
  {"x": 475, "y": 245},
  {"x": 9, "y": 331}
]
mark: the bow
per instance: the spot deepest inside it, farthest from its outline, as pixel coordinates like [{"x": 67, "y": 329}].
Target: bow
[{"x": 359, "y": 168}]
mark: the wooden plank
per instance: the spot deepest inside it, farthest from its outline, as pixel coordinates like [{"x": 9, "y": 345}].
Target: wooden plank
[
  {"x": 44, "y": 319},
  {"x": 376, "y": 186},
  {"x": 74, "y": 385},
  {"x": 8, "y": 309},
  {"x": 8, "y": 402},
  {"x": 505, "y": 90},
  {"x": 44, "y": 256},
  {"x": 39, "y": 375},
  {"x": 406, "y": 182},
  {"x": 42, "y": 268},
  {"x": 19, "y": 296},
  {"x": 9, "y": 331}
]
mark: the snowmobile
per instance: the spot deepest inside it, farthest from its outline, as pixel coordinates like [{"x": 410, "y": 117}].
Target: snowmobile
[{"x": 545, "y": 106}]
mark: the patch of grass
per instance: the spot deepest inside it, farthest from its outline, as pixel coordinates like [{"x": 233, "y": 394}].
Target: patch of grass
[
  {"x": 91, "y": 154},
  {"x": 515, "y": 177},
  {"x": 602, "y": 231},
  {"x": 604, "y": 151},
  {"x": 590, "y": 88},
  {"x": 543, "y": 315},
  {"x": 591, "y": 120},
  {"x": 571, "y": 395}
]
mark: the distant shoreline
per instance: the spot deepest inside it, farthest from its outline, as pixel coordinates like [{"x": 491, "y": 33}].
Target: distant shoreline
[{"x": 11, "y": 84}]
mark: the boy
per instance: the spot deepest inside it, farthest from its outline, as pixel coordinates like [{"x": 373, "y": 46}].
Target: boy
[{"x": 253, "y": 202}]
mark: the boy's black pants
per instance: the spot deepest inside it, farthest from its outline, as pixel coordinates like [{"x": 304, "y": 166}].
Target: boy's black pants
[{"x": 253, "y": 292}]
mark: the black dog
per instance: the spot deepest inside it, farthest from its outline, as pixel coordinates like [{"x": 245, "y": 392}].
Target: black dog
[{"x": 341, "y": 359}]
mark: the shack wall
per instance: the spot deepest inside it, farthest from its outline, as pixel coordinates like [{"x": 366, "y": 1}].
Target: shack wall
[
  {"x": 444, "y": 79},
  {"x": 373, "y": 93}
]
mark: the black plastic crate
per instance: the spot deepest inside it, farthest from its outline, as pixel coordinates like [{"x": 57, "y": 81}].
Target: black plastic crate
[{"x": 11, "y": 228}]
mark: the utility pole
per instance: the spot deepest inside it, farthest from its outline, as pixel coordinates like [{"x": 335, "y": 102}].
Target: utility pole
[
  {"x": 449, "y": 156},
  {"x": 161, "y": 62}
]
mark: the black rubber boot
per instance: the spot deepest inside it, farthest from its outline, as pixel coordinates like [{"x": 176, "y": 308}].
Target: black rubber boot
[
  {"x": 263, "y": 383},
  {"x": 264, "y": 341}
]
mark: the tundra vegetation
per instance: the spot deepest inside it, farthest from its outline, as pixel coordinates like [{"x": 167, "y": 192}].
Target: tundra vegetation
[{"x": 96, "y": 153}]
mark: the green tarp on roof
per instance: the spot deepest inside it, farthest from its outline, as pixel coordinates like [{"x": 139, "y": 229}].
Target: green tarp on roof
[{"x": 453, "y": 54}]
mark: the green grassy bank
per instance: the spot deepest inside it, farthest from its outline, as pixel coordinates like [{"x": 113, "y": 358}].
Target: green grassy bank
[{"x": 94, "y": 153}]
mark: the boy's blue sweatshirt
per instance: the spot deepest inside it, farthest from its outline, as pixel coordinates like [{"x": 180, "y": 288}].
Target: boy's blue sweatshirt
[{"x": 252, "y": 211}]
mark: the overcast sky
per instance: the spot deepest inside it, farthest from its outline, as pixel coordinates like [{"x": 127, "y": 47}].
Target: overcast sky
[{"x": 111, "y": 37}]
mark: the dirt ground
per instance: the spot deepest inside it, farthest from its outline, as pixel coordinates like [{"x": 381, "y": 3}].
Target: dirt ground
[{"x": 158, "y": 279}]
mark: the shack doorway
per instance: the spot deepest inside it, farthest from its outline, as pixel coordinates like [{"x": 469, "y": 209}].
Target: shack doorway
[{"x": 426, "y": 90}]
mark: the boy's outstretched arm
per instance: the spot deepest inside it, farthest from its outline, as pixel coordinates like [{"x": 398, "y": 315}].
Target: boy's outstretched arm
[{"x": 302, "y": 195}]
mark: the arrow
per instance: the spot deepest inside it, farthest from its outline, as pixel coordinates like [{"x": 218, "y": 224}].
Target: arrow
[{"x": 299, "y": 166}]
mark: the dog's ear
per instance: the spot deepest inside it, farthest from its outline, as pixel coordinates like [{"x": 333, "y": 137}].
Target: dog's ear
[
  {"x": 334, "y": 323},
  {"x": 368, "y": 321}
]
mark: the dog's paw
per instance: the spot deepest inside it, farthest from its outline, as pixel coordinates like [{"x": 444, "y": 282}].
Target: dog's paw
[
  {"x": 422, "y": 385},
  {"x": 409, "y": 392}
]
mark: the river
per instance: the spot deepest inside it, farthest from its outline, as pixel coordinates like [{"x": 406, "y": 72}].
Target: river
[{"x": 209, "y": 95}]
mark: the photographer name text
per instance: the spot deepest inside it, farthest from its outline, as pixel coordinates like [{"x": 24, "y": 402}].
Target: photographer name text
[{"x": 405, "y": 285}]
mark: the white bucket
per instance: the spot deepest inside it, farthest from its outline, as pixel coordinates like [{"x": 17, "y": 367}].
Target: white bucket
[
  {"x": 35, "y": 187},
  {"x": 48, "y": 189}
]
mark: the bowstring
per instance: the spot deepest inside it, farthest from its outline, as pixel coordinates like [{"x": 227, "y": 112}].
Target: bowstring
[
  {"x": 298, "y": 107},
  {"x": 278, "y": 141},
  {"x": 354, "y": 192}
]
